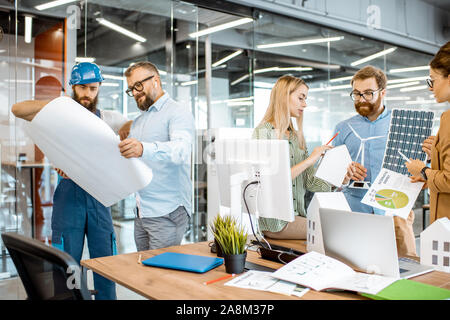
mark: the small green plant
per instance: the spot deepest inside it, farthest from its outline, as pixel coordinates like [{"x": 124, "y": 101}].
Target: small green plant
[
  {"x": 220, "y": 223},
  {"x": 229, "y": 234}
]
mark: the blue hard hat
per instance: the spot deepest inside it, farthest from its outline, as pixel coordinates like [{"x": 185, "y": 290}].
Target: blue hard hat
[{"x": 85, "y": 72}]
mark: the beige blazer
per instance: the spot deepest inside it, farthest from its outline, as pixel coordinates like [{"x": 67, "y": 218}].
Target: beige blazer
[{"x": 439, "y": 175}]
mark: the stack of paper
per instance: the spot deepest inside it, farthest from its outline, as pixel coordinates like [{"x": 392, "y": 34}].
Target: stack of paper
[
  {"x": 263, "y": 280},
  {"x": 319, "y": 272}
]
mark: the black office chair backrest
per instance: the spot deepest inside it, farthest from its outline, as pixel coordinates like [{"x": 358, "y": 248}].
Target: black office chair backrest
[{"x": 46, "y": 272}]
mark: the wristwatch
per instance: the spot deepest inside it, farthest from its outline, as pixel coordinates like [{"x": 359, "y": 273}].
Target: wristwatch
[{"x": 423, "y": 172}]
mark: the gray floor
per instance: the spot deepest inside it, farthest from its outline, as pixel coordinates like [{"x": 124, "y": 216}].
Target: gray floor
[{"x": 12, "y": 288}]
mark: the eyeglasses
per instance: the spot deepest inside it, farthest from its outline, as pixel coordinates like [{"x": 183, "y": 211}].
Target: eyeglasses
[
  {"x": 367, "y": 95},
  {"x": 138, "y": 86},
  {"x": 430, "y": 82}
]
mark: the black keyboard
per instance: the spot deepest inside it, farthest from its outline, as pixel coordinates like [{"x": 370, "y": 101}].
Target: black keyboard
[
  {"x": 280, "y": 248},
  {"x": 278, "y": 253},
  {"x": 253, "y": 266}
]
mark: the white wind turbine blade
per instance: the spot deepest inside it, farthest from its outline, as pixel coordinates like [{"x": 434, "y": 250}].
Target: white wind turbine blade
[
  {"x": 372, "y": 138},
  {"x": 361, "y": 147},
  {"x": 357, "y": 135},
  {"x": 363, "y": 144}
]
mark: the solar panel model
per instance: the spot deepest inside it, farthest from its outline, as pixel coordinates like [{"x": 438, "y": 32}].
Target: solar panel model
[{"x": 407, "y": 131}]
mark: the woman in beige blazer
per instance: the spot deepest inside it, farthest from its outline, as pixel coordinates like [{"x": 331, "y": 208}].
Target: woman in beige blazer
[{"x": 437, "y": 178}]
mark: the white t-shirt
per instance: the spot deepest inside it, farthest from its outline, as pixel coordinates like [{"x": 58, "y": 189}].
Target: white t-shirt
[{"x": 114, "y": 119}]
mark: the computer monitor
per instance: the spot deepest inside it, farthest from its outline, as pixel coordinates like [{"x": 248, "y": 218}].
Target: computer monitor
[{"x": 239, "y": 162}]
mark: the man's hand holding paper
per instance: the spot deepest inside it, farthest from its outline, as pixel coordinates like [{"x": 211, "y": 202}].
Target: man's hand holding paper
[
  {"x": 131, "y": 148},
  {"x": 356, "y": 172}
]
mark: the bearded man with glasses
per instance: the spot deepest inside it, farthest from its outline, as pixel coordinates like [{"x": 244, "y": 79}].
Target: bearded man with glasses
[
  {"x": 372, "y": 120},
  {"x": 162, "y": 136}
]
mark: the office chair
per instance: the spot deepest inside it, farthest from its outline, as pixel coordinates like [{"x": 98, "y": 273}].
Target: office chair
[{"x": 43, "y": 270}]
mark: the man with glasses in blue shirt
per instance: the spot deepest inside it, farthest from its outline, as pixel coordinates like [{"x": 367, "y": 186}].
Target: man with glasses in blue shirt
[
  {"x": 162, "y": 136},
  {"x": 371, "y": 123}
]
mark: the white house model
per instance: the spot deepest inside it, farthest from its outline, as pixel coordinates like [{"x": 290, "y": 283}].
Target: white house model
[
  {"x": 435, "y": 245},
  {"x": 328, "y": 200}
]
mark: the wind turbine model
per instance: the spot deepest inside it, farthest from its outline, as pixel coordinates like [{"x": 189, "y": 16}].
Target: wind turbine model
[{"x": 361, "y": 184}]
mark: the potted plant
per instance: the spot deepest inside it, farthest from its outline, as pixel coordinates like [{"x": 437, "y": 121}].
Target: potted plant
[{"x": 232, "y": 240}]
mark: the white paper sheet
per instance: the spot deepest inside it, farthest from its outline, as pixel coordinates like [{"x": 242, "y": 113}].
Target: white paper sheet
[
  {"x": 86, "y": 149},
  {"x": 334, "y": 164},
  {"x": 363, "y": 282},
  {"x": 393, "y": 192},
  {"x": 262, "y": 280},
  {"x": 320, "y": 272}
]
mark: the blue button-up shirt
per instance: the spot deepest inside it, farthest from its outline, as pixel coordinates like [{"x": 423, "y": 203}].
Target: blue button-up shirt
[
  {"x": 373, "y": 152},
  {"x": 166, "y": 131}
]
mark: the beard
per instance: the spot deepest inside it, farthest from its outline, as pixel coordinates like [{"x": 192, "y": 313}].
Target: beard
[
  {"x": 91, "y": 105},
  {"x": 366, "y": 108},
  {"x": 144, "y": 105}
]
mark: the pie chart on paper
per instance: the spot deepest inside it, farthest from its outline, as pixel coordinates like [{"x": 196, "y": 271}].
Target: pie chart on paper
[{"x": 391, "y": 199}]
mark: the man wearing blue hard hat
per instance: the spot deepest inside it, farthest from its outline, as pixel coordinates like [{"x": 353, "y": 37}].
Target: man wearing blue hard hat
[{"x": 76, "y": 213}]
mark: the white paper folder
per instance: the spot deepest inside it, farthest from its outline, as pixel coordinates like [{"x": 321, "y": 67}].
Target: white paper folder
[{"x": 334, "y": 164}]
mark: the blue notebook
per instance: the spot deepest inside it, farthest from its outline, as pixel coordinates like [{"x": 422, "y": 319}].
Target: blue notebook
[{"x": 185, "y": 262}]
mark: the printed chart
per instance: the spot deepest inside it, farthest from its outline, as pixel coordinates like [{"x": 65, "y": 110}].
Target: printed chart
[
  {"x": 384, "y": 193},
  {"x": 391, "y": 199}
]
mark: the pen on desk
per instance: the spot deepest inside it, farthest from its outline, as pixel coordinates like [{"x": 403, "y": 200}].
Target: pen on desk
[
  {"x": 139, "y": 259},
  {"x": 333, "y": 138},
  {"x": 403, "y": 156},
  {"x": 219, "y": 279}
]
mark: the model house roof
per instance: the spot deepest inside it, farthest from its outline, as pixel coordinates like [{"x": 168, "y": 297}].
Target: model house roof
[{"x": 442, "y": 224}]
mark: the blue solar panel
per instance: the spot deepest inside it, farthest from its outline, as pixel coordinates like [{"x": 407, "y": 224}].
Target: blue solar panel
[{"x": 407, "y": 130}]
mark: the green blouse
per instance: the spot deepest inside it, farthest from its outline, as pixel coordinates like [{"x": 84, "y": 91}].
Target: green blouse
[{"x": 304, "y": 181}]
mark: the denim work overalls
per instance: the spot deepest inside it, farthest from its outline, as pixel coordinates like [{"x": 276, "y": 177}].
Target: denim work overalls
[{"x": 76, "y": 214}]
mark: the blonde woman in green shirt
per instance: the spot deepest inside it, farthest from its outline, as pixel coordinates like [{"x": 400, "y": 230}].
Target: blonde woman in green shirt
[{"x": 288, "y": 100}]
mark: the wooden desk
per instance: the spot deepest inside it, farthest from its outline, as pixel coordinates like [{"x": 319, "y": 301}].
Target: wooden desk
[{"x": 166, "y": 284}]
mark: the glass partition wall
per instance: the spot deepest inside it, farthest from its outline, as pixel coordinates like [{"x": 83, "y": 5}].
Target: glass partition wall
[{"x": 220, "y": 65}]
